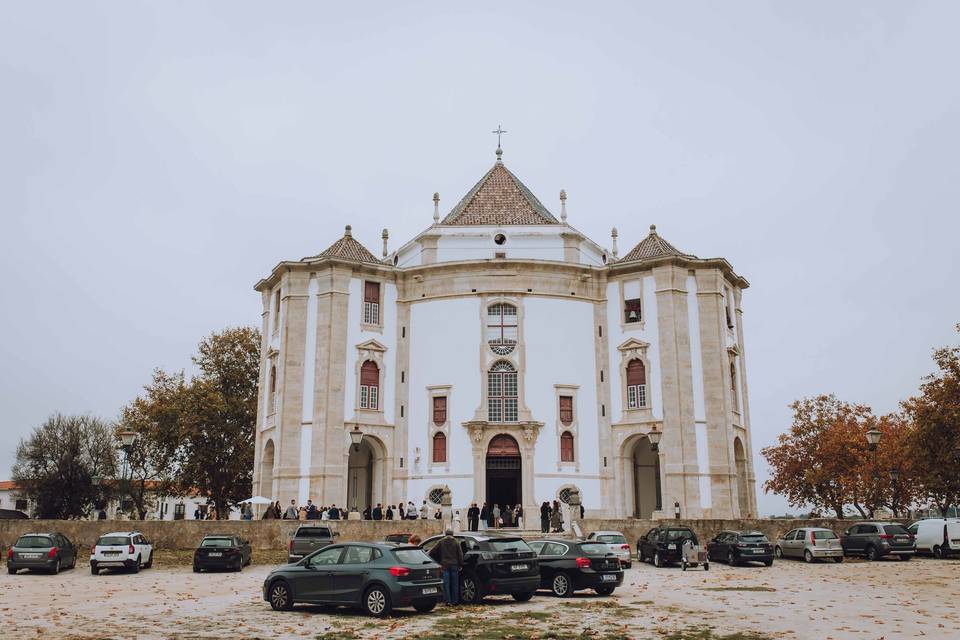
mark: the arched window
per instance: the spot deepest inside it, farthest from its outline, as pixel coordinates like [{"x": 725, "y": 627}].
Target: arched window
[
  {"x": 272, "y": 398},
  {"x": 369, "y": 385},
  {"x": 636, "y": 385},
  {"x": 566, "y": 447},
  {"x": 502, "y": 328},
  {"x": 273, "y": 379},
  {"x": 502, "y": 393},
  {"x": 439, "y": 410},
  {"x": 566, "y": 410},
  {"x": 439, "y": 447}
]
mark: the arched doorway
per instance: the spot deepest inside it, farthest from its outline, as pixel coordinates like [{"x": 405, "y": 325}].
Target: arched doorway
[
  {"x": 504, "y": 476},
  {"x": 743, "y": 497},
  {"x": 647, "y": 496},
  {"x": 266, "y": 470},
  {"x": 360, "y": 476}
]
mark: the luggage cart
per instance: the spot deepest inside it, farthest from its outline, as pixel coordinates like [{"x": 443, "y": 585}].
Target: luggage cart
[{"x": 693, "y": 555}]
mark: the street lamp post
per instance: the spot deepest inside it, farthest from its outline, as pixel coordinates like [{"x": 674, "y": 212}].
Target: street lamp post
[
  {"x": 894, "y": 477},
  {"x": 654, "y": 437},
  {"x": 127, "y": 440}
]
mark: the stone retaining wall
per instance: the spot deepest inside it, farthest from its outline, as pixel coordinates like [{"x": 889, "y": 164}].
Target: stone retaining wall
[{"x": 274, "y": 534}]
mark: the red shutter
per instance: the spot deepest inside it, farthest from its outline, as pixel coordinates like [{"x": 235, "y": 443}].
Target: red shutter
[
  {"x": 439, "y": 448},
  {"x": 566, "y": 409},
  {"x": 636, "y": 373},
  {"x": 439, "y": 410},
  {"x": 566, "y": 447},
  {"x": 371, "y": 292},
  {"x": 370, "y": 374}
]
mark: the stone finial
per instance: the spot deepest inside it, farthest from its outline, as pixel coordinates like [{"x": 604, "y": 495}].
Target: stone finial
[
  {"x": 385, "y": 235},
  {"x": 499, "y": 155},
  {"x": 563, "y": 205},
  {"x": 653, "y": 229},
  {"x": 436, "y": 207},
  {"x": 348, "y": 231},
  {"x": 613, "y": 236}
]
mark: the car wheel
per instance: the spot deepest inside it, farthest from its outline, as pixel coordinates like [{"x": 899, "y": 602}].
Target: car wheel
[
  {"x": 838, "y": 559},
  {"x": 280, "y": 597},
  {"x": 136, "y": 566},
  {"x": 604, "y": 591},
  {"x": 768, "y": 563},
  {"x": 149, "y": 563},
  {"x": 469, "y": 589},
  {"x": 560, "y": 585},
  {"x": 93, "y": 569},
  {"x": 905, "y": 557},
  {"x": 376, "y": 602},
  {"x": 777, "y": 551},
  {"x": 808, "y": 557},
  {"x": 706, "y": 566},
  {"x": 871, "y": 553},
  {"x": 937, "y": 552},
  {"x": 523, "y": 596},
  {"x": 196, "y": 569},
  {"x": 657, "y": 562},
  {"x": 425, "y": 607},
  {"x": 629, "y": 565},
  {"x": 56, "y": 567},
  {"x": 11, "y": 570},
  {"x": 731, "y": 559},
  {"x": 239, "y": 565}
]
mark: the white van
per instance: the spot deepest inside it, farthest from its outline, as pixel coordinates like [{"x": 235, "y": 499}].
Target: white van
[{"x": 937, "y": 536}]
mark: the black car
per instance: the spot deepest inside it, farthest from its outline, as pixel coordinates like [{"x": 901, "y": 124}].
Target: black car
[
  {"x": 373, "y": 576},
  {"x": 494, "y": 565},
  {"x": 736, "y": 547},
  {"x": 221, "y": 552},
  {"x": 42, "y": 551},
  {"x": 664, "y": 545},
  {"x": 874, "y": 540},
  {"x": 567, "y": 566}
]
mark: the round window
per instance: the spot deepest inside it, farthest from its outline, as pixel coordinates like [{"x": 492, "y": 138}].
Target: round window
[
  {"x": 435, "y": 495},
  {"x": 499, "y": 238},
  {"x": 565, "y": 495}
]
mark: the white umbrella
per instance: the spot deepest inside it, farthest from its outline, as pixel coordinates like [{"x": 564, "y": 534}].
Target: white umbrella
[{"x": 257, "y": 500}]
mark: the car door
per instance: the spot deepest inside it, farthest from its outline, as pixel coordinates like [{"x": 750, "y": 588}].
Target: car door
[
  {"x": 853, "y": 539},
  {"x": 313, "y": 583},
  {"x": 349, "y": 576},
  {"x": 649, "y": 542},
  {"x": 68, "y": 553},
  {"x": 551, "y": 557},
  {"x": 785, "y": 543},
  {"x": 795, "y": 543}
]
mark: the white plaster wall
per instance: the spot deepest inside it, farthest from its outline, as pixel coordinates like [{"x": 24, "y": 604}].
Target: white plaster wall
[
  {"x": 649, "y": 333},
  {"x": 548, "y": 488},
  {"x": 479, "y": 245},
  {"x": 444, "y": 346},
  {"x": 388, "y": 338},
  {"x": 699, "y": 405}
]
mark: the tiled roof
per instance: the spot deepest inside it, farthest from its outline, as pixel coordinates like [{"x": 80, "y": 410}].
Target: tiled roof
[
  {"x": 346, "y": 248},
  {"x": 7, "y": 485},
  {"x": 653, "y": 246},
  {"x": 499, "y": 198}
]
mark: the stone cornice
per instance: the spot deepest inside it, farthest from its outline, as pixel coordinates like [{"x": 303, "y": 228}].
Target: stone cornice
[{"x": 689, "y": 262}]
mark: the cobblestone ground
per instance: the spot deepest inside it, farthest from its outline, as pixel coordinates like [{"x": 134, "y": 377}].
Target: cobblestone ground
[{"x": 888, "y": 599}]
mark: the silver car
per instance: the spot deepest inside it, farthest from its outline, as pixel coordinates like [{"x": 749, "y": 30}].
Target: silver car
[
  {"x": 809, "y": 543},
  {"x": 617, "y": 543}
]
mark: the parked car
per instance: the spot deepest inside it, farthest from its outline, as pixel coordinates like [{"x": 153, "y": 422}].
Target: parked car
[
  {"x": 376, "y": 577},
  {"x": 122, "y": 549},
  {"x": 221, "y": 552},
  {"x": 809, "y": 543},
  {"x": 397, "y": 538},
  {"x": 874, "y": 540},
  {"x": 940, "y": 537},
  {"x": 494, "y": 564},
  {"x": 568, "y": 565},
  {"x": 617, "y": 543},
  {"x": 736, "y": 547},
  {"x": 664, "y": 545},
  {"x": 307, "y": 539},
  {"x": 42, "y": 551}
]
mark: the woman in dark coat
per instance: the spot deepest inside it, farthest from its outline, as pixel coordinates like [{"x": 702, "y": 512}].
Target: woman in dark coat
[
  {"x": 545, "y": 517},
  {"x": 507, "y": 515},
  {"x": 556, "y": 520},
  {"x": 485, "y": 515}
]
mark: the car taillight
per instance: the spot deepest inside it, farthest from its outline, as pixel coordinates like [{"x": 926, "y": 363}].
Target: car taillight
[
  {"x": 625, "y": 546},
  {"x": 813, "y": 540},
  {"x": 885, "y": 536},
  {"x": 10, "y": 552},
  {"x": 52, "y": 553},
  {"x": 399, "y": 572},
  {"x": 93, "y": 550},
  {"x": 583, "y": 563},
  {"x": 290, "y": 546},
  {"x": 131, "y": 550}
]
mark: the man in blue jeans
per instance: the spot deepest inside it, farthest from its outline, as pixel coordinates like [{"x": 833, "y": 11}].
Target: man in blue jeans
[{"x": 448, "y": 554}]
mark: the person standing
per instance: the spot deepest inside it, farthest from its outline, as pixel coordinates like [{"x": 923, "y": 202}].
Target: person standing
[
  {"x": 400, "y": 511},
  {"x": 556, "y": 520},
  {"x": 507, "y": 515},
  {"x": 277, "y": 510},
  {"x": 291, "y": 512},
  {"x": 333, "y": 513},
  {"x": 473, "y": 517},
  {"x": 518, "y": 516},
  {"x": 268, "y": 513},
  {"x": 485, "y": 515},
  {"x": 390, "y": 512},
  {"x": 378, "y": 512},
  {"x": 424, "y": 511},
  {"x": 311, "y": 510},
  {"x": 367, "y": 513},
  {"x": 302, "y": 513},
  {"x": 545, "y": 517},
  {"x": 448, "y": 554},
  {"x": 411, "y": 510},
  {"x": 496, "y": 515}
]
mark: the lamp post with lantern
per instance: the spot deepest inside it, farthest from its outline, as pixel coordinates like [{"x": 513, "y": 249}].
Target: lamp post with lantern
[{"x": 127, "y": 440}]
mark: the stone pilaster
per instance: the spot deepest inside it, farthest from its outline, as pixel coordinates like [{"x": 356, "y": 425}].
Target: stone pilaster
[
  {"x": 745, "y": 409},
  {"x": 401, "y": 441},
  {"x": 263, "y": 390},
  {"x": 295, "y": 288}
]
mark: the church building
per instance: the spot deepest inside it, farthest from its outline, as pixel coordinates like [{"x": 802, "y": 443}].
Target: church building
[{"x": 503, "y": 354}]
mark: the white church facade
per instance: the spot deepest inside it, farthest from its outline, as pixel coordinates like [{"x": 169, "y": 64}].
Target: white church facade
[{"x": 505, "y": 355}]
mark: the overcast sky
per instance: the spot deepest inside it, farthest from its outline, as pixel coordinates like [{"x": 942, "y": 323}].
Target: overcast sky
[{"x": 157, "y": 159}]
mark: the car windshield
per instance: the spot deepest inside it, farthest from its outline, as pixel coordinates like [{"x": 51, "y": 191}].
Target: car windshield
[
  {"x": 313, "y": 532},
  {"x": 594, "y": 548},
  {"x": 217, "y": 542},
  {"x": 412, "y": 556},
  {"x": 113, "y": 541},
  {"x": 511, "y": 546},
  {"x": 824, "y": 535},
  {"x": 612, "y": 538},
  {"x": 753, "y": 537},
  {"x": 895, "y": 529},
  {"x": 34, "y": 542},
  {"x": 679, "y": 534}
]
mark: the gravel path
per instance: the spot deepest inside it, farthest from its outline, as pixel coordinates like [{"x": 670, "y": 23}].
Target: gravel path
[{"x": 866, "y": 601}]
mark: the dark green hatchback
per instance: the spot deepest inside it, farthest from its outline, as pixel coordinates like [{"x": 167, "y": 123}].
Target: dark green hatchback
[{"x": 376, "y": 577}]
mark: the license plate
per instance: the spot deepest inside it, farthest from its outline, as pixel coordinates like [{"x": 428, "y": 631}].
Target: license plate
[
  {"x": 608, "y": 578},
  {"x": 215, "y": 554},
  {"x": 902, "y": 539},
  {"x": 31, "y": 556},
  {"x": 111, "y": 553},
  {"x": 671, "y": 546},
  {"x": 757, "y": 551},
  {"x": 519, "y": 567},
  {"x": 429, "y": 590}
]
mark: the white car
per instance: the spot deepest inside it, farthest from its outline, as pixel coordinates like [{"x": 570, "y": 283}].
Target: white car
[
  {"x": 123, "y": 549},
  {"x": 617, "y": 543},
  {"x": 937, "y": 536}
]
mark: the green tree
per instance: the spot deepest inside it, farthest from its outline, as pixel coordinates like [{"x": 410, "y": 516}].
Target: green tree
[
  {"x": 56, "y": 465},
  {"x": 935, "y": 445}
]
